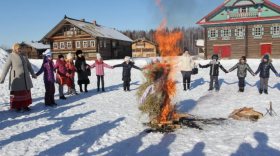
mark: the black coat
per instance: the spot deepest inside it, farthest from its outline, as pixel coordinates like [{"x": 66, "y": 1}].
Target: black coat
[
  {"x": 82, "y": 70},
  {"x": 127, "y": 70},
  {"x": 264, "y": 69},
  {"x": 214, "y": 68}
]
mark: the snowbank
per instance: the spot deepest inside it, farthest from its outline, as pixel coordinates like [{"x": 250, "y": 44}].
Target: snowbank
[{"x": 3, "y": 57}]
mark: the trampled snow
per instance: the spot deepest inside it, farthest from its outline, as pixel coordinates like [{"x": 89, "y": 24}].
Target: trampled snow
[{"x": 110, "y": 123}]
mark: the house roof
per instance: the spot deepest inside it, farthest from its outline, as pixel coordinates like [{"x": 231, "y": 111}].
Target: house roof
[
  {"x": 37, "y": 45},
  {"x": 144, "y": 40},
  {"x": 90, "y": 28},
  {"x": 230, "y": 3}
]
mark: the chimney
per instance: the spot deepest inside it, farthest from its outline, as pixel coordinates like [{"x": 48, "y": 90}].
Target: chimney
[{"x": 94, "y": 22}]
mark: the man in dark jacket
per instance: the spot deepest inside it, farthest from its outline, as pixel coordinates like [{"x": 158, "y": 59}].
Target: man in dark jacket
[
  {"x": 242, "y": 68},
  {"x": 127, "y": 65},
  {"x": 214, "y": 72},
  {"x": 264, "y": 70}
]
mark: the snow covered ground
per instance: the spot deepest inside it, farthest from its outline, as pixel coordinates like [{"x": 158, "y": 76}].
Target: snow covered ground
[
  {"x": 110, "y": 123},
  {"x": 3, "y": 57}
]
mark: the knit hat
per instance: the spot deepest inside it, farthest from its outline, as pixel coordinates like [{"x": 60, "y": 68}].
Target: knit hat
[
  {"x": 60, "y": 56},
  {"x": 215, "y": 56},
  {"x": 243, "y": 58},
  {"x": 186, "y": 49},
  {"x": 127, "y": 58},
  {"x": 69, "y": 56},
  {"x": 78, "y": 52},
  {"x": 266, "y": 56},
  {"x": 48, "y": 52},
  {"x": 98, "y": 56}
]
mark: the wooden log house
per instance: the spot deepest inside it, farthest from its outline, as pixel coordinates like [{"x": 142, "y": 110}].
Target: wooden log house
[
  {"x": 37, "y": 49},
  {"x": 243, "y": 28},
  {"x": 71, "y": 34},
  {"x": 144, "y": 48}
]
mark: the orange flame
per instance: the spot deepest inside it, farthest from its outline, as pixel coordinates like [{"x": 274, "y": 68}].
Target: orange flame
[{"x": 168, "y": 47}]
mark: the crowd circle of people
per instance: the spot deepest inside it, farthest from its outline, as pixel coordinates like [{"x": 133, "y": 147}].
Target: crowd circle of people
[{"x": 63, "y": 72}]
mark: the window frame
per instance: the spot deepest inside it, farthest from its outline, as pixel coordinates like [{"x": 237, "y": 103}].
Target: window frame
[{"x": 86, "y": 44}]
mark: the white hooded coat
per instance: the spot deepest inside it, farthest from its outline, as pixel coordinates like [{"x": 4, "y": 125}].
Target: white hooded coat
[{"x": 186, "y": 62}]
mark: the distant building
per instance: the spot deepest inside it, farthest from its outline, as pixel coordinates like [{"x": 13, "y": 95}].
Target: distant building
[
  {"x": 144, "y": 48},
  {"x": 243, "y": 28},
  {"x": 71, "y": 34},
  {"x": 36, "y": 49}
]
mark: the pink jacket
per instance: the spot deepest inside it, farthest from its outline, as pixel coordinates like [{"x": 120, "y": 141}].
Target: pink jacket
[{"x": 100, "y": 67}]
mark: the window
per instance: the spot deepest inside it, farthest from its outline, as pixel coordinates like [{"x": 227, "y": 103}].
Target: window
[
  {"x": 213, "y": 34},
  {"x": 114, "y": 44},
  {"x": 100, "y": 44},
  {"x": 62, "y": 45},
  {"x": 85, "y": 44},
  {"x": 258, "y": 31},
  {"x": 55, "y": 45},
  {"x": 69, "y": 45},
  {"x": 226, "y": 33},
  {"x": 92, "y": 43},
  {"x": 243, "y": 10},
  {"x": 275, "y": 31},
  {"x": 78, "y": 44},
  {"x": 105, "y": 43},
  {"x": 240, "y": 32}
]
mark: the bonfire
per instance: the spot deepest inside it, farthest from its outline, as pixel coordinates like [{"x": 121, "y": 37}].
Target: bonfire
[{"x": 156, "y": 94}]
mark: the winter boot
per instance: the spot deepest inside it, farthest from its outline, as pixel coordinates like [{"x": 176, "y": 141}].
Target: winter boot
[
  {"x": 62, "y": 97},
  {"x": 103, "y": 89},
  {"x": 86, "y": 89},
  {"x": 260, "y": 91},
  {"x": 265, "y": 91},
  {"x": 26, "y": 109},
  {"x": 189, "y": 86},
  {"x": 185, "y": 87},
  {"x": 81, "y": 89}
]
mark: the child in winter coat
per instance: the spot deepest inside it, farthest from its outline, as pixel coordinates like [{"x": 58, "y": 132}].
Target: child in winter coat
[
  {"x": 61, "y": 77},
  {"x": 127, "y": 65},
  {"x": 71, "y": 69},
  {"x": 264, "y": 68},
  {"x": 214, "y": 72},
  {"x": 242, "y": 68},
  {"x": 99, "y": 65},
  {"x": 49, "y": 80}
]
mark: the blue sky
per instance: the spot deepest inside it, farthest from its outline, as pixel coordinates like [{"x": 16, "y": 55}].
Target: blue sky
[{"x": 26, "y": 20}]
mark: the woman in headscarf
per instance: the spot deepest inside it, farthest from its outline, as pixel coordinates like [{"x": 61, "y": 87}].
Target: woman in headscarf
[
  {"x": 83, "y": 70},
  {"x": 20, "y": 82}
]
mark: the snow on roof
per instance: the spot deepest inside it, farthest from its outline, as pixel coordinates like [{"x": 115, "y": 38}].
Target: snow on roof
[
  {"x": 3, "y": 56},
  {"x": 99, "y": 31},
  {"x": 37, "y": 45}
]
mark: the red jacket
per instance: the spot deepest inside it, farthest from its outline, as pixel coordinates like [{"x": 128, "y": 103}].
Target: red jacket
[
  {"x": 100, "y": 67},
  {"x": 71, "y": 69}
]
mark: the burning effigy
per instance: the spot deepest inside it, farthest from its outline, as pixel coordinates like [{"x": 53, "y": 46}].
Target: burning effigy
[{"x": 156, "y": 94}]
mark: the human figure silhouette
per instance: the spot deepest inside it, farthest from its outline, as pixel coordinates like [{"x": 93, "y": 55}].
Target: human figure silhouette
[{"x": 197, "y": 150}]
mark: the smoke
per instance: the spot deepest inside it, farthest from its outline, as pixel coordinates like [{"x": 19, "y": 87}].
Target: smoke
[{"x": 177, "y": 12}]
